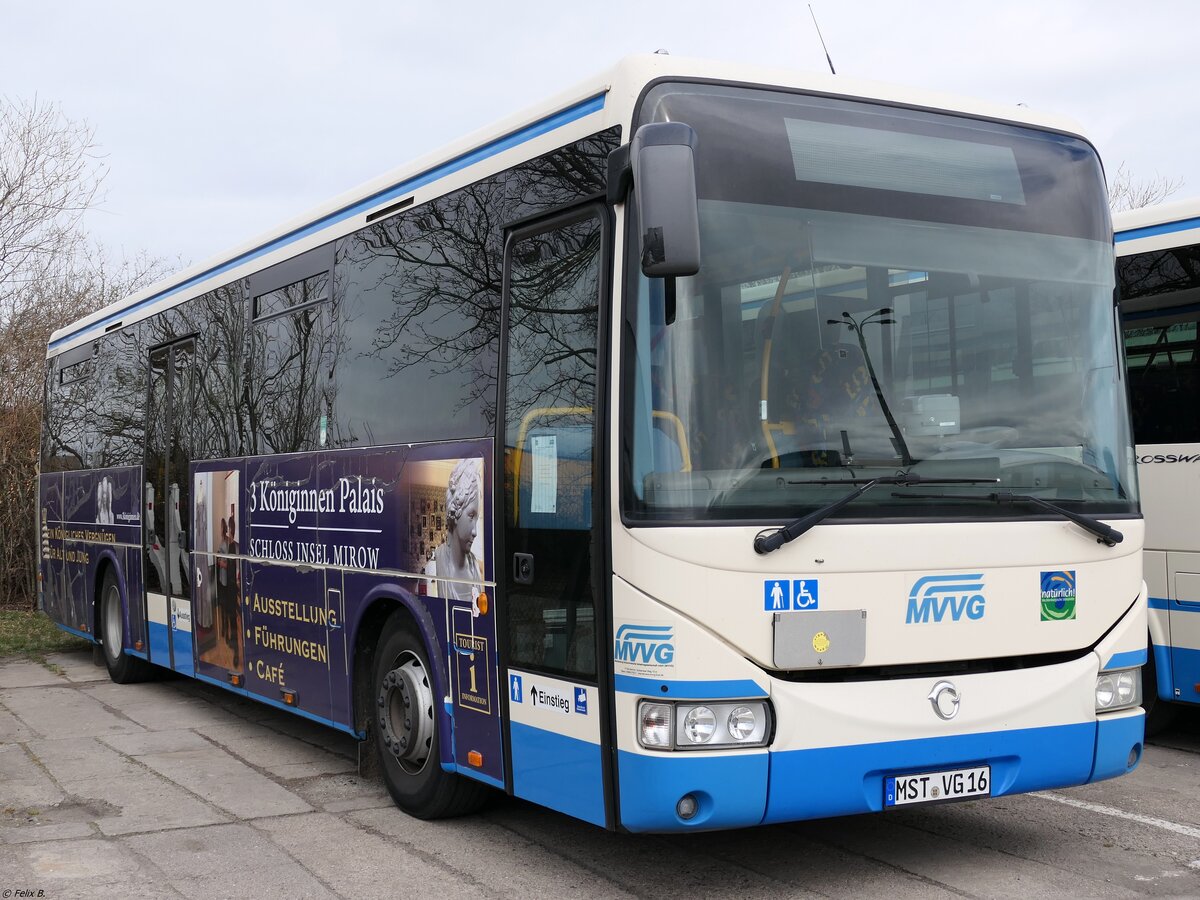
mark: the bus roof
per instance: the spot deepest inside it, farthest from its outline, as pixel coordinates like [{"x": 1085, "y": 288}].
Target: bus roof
[
  {"x": 600, "y": 102},
  {"x": 1157, "y": 227}
]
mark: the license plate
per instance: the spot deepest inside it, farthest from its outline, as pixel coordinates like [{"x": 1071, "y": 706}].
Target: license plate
[{"x": 932, "y": 787}]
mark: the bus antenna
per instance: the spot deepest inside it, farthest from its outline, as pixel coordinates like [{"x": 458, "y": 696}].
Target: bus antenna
[{"x": 820, "y": 37}]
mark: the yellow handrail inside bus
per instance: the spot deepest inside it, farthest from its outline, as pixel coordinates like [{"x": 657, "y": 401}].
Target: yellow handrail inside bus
[{"x": 539, "y": 412}]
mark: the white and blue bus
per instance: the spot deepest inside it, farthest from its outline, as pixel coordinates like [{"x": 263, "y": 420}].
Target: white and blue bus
[
  {"x": 707, "y": 447},
  {"x": 1158, "y": 276}
]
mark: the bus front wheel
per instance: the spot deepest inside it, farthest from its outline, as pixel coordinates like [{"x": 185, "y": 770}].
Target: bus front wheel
[
  {"x": 407, "y": 738},
  {"x": 122, "y": 668}
]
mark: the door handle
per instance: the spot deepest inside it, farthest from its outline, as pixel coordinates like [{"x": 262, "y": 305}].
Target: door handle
[{"x": 523, "y": 568}]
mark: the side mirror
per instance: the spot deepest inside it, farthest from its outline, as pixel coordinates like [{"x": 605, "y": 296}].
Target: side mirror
[{"x": 664, "y": 181}]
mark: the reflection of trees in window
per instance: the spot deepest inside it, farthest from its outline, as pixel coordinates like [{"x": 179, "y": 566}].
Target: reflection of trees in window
[
  {"x": 1159, "y": 272},
  {"x": 418, "y": 301},
  {"x": 1162, "y": 350},
  {"x": 220, "y": 428},
  {"x": 68, "y": 429},
  {"x": 120, "y": 399},
  {"x": 555, "y": 284},
  {"x": 286, "y": 396},
  {"x": 418, "y": 316},
  {"x": 566, "y": 175}
]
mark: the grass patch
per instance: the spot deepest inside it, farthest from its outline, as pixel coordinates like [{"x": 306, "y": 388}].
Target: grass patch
[{"x": 25, "y": 632}]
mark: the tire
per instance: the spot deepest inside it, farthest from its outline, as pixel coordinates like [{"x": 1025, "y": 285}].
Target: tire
[
  {"x": 122, "y": 668},
  {"x": 407, "y": 738},
  {"x": 1159, "y": 713}
]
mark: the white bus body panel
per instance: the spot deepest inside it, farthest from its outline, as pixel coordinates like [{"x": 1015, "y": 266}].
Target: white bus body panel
[{"x": 712, "y": 575}]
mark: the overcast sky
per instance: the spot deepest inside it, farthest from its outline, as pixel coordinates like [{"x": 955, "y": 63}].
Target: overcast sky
[{"x": 219, "y": 120}]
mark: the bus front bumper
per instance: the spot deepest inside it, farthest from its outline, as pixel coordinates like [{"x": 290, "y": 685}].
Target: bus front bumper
[{"x": 833, "y": 776}]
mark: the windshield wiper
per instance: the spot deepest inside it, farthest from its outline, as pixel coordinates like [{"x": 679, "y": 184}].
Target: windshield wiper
[
  {"x": 1105, "y": 534},
  {"x": 766, "y": 541}
]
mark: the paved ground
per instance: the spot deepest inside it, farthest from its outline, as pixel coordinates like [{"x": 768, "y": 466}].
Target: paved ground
[{"x": 174, "y": 788}]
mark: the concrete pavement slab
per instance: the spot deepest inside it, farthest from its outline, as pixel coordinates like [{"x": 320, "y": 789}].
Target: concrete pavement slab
[
  {"x": 226, "y": 782},
  {"x": 156, "y": 706},
  {"x": 357, "y": 863},
  {"x": 79, "y": 868},
  {"x": 148, "y": 742},
  {"x": 13, "y": 730},
  {"x": 59, "y": 712},
  {"x": 35, "y": 834},
  {"x": 342, "y": 793},
  {"x": 77, "y": 668},
  {"x": 235, "y": 858},
  {"x": 626, "y": 862},
  {"x": 144, "y": 803},
  {"x": 75, "y": 759},
  {"x": 23, "y": 783},
  {"x": 17, "y": 673},
  {"x": 277, "y": 754},
  {"x": 471, "y": 846}
]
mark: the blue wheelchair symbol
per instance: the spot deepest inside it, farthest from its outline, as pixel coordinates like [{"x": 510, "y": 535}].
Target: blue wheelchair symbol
[{"x": 804, "y": 594}]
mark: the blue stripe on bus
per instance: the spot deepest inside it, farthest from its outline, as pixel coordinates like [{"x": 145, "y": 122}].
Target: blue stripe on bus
[
  {"x": 1127, "y": 659},
  {"x": 160, "y": 644},
  {"x": 279, "y": 704},
  {"x": 558, "y": 772},
  {"x": 1118, "y": 740},
  {"x": 1162, "y": 669},
  {"x": 82, "y": 634},
  {"x": 730, "y": 790},
  {"x": 835, "y": 781},
  {"x": 1174, "y": 605},
  {"x": 688, "y": 690},
  {"x": 499, "y": 145},
  {"x": 1151, "y": 230},
  {"x": 181, "y": 643},
  {"x": 1185, "y": 674}
]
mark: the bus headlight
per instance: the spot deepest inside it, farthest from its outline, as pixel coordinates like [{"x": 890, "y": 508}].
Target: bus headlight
[
  {"x": 1120, "y": 689},
  {"x": 699, "y": 724},
  {"x": 707, "y": 725},
  {"x": 655, "y": 719}
]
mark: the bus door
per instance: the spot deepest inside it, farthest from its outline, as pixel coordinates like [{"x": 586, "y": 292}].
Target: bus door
[
  {"x": 551, "y": 610},
  {"x": 166, "y": 491},
  {"x": 1184, "y": 618}
]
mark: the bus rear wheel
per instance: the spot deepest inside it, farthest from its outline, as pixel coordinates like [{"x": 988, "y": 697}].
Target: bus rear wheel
[
  {"x": 122, "y": 668},
  {"x": 407, "y": 738}
]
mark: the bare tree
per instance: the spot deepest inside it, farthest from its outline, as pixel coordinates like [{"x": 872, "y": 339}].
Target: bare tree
[
  {"x": 50, "y": 274},
  {"x": 1126, "y": 192},
  {"x": 50, "y": 174}
]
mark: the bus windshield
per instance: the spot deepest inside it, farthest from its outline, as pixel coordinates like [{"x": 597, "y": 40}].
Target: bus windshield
[{"x": 881, "y": 290}]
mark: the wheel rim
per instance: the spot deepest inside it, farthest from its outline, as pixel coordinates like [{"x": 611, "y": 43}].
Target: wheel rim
[
  {"x": 112, "y": 622},
  {"x": 406, "y": 721}
]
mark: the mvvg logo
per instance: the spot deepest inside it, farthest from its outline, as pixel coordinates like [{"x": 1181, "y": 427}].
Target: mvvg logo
[
  {"x": 936, "y": 597},
  {"x": 645, "y": 644}
]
